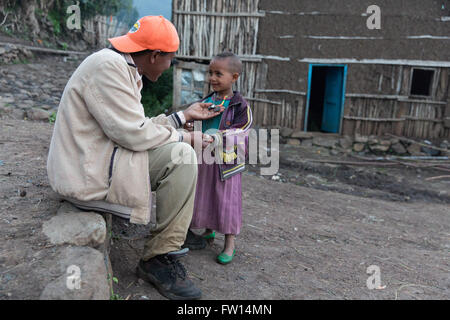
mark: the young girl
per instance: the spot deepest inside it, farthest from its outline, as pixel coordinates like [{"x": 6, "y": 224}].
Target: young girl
[{"x": 218, "y": 199}]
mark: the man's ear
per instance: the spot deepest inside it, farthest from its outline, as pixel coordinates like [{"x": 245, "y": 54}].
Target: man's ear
[{"x": 152, "y": 56}]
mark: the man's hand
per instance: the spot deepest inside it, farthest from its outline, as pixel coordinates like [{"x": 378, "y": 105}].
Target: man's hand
[
  {"x": 193, "y": 138},
  {"x": 199, "y": 111},
  {"x": 197, "y": 138},
  {"x": 189, "y": 126}
]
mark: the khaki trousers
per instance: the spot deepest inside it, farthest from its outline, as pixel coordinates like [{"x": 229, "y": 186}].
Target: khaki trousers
[{"x": 173, "y": 175}]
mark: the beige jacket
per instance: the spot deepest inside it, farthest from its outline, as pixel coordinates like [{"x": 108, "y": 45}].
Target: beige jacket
[{"x": 100, "y": 111}]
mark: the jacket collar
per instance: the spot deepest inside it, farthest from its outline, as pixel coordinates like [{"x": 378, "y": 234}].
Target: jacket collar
[
  {"x": 132, "y": 66},
  {"x": 137, "y": 76}
]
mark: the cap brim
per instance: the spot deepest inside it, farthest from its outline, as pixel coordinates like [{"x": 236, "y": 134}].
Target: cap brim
[{"x": 125, "y": 44}]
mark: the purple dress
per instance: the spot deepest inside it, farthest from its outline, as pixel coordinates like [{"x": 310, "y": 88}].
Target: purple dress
[{"x": 218, "y": 201}]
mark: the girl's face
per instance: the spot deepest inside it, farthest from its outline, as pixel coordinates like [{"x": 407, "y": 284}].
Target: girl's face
[{"x": 220, "y": 78}]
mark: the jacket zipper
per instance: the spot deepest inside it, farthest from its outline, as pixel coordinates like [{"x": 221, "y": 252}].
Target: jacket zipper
[{"x": 224, "y": 116}]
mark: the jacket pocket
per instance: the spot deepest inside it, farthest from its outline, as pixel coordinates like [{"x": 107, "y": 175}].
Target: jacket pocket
[{"x": 111, "y": 166}]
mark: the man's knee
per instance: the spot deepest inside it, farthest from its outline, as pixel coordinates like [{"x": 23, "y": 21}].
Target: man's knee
[{"x": 183, "y": 154}]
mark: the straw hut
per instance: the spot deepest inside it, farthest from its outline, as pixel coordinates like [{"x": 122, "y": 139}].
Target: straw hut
[{"x": 325, "y": 66}]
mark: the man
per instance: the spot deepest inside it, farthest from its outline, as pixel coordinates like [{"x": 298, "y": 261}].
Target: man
[{"x": 105, "y": 155}]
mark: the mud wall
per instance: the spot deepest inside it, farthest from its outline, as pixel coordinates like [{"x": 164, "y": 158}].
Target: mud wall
[{"x": 338, "y": 29}]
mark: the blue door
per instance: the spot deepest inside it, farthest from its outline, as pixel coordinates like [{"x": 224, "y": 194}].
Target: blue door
[
  {"x": 332, "y": 103},
  {"x": 325, "y": 98}
]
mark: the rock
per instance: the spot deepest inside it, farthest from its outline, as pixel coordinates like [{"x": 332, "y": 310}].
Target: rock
[
  {"x": 37, "y": 114},
  {"x": 286, "y": 132},
  {"x": 346, "y": 142},
  {"x": 315, "y": 179},
  {"x": 7, "y": 100},
  {"x": 334, "y": 152},
  {"x": 11, "y": 113},
  {"x": 394, "y": 141},
  {"x": 18, "y": 84},
  {"x": 444, "y": 145},
  {"x": 373, "y": 140},
  {"x": 414, "y": 149},
  {"x": 358, "y": 147},
  {"x": 377, "y": 145},
  {"x": 379, "y": 148},
  {"x": 10, "y": 47},
  {"x": 26, "y": 52},
  {"x": 82, "y": 276},
  {"x": 45, "y": 97},
  {"x": 293, "y": 142},
  {"x": 324, "y": 142},
  {"x": 26, "y": 104},
  {"x": 307, "y": 143},
  {"x": 302, "y": 135},
  {"x": 398, "y": 148},
  {"x": 322, "y": 151},
  {"x": 73, "y": 226},
  {"x": 430, "y": 152},
  {"x": 361, "y": 139}
]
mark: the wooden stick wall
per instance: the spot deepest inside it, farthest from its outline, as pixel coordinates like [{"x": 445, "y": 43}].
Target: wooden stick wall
[{"x": 210, "y": 27}]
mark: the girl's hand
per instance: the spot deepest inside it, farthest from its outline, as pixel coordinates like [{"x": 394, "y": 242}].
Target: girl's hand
[
  {"x": 199, "y": 111},
  {"x": 207, "y": 139}
]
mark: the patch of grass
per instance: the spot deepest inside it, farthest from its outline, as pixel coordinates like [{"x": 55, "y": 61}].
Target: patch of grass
[
  {"x": 6, "y": 31},
  {"x": 52, "y": 117},
  {"x": 38, "y": 12},
  {"x": 114, "y": 236},
  {"x": 21, "y": 61},
  {"x": 114, "y": 296},
  {"x": 55, "y": 19}
]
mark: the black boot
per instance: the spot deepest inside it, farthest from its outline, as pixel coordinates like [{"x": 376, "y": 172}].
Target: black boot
[
  {"x": 194, "y": 242},
  {"x": 169, "y": 276}
]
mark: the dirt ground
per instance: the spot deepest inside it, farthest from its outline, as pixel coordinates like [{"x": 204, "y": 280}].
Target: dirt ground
[
  {"x": 302, "y": 242},
  {"x": 310, "y": 235},
  {"x": 296, "y": 242}
]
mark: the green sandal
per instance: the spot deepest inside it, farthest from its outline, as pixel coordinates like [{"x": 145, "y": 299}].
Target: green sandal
[
  {"x": 223, "y": 258},
  {"x": 212, "y": 235}
]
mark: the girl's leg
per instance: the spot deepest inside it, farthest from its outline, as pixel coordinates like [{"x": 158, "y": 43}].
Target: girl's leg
[{"x": 229, "y": 244}]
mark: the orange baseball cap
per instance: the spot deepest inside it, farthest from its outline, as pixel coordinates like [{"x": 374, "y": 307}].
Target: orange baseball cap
[{"x": 150, "y": 32}]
